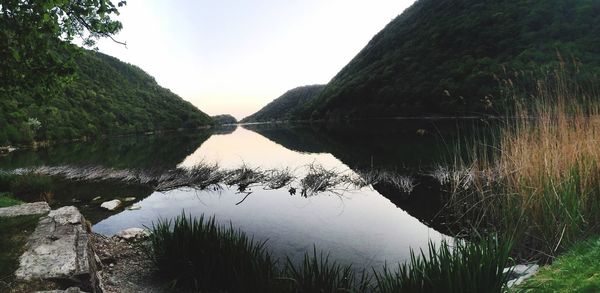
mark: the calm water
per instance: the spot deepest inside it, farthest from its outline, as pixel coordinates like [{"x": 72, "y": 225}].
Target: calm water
[{"x": 366, "y": 227}]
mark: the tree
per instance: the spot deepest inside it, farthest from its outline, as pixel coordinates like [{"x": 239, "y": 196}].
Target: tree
[{"x": 36, "y": 36}]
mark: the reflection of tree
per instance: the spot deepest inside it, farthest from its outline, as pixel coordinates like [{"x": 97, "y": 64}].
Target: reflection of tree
[{"x": 161, "y": 151}]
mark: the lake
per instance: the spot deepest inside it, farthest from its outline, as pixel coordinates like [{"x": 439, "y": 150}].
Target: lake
[{"x": 366, "y": 226}]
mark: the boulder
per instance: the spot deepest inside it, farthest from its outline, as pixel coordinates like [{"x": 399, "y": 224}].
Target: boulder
[
  {"x": 111, "y": 205},
  {"x": 36, "y": 208},
  {"x": 59, "y": 251},
  {"x": 133, "y": 233}
]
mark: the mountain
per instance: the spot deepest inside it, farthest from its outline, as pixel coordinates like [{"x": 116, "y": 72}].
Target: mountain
[
  {"x": 105, "y": 97},
  {"x": 284, "y": 107},
  {"x": 439, "y": 57},
  {"x": 224, "y": 119}
]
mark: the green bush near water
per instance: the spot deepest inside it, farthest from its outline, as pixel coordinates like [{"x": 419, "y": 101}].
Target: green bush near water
[{"x": 199, "y": 254}]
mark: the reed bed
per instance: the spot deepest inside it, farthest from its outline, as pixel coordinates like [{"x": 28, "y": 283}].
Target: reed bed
[
  {"x": 542, "y": 184},
  {"x": 316, "y": 179}
]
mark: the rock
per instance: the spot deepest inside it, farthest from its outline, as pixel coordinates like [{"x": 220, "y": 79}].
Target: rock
[
  {"x": 36, "y": 208},
  {"x": 59, "y": 251},
  {"x": 135, "y": 207},
  {"x": 70, "y": 290},
  {"x": 111, "y": 205},
  {"x": 520, "y": 273},
  {"x": 128, "y": 199},
  {"x": 97, "y": 198},
  {"x": 133, "y": 233}
]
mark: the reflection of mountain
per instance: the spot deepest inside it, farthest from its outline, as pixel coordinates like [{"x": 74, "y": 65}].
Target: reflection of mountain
[
  {"x": 223, "y": 129},
  {"x": 408, "y": 147},
  {"x": 161, "y": 151},
  {"x": 393, "y": 145}
]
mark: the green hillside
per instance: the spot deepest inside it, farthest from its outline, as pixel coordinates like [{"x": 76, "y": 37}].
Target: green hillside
[
  {"x": 439, "y": 57},
  {"x": 224, "y": 119},
  {"x": 105, "y": 97},
  {"x": 283, "y": 107}
]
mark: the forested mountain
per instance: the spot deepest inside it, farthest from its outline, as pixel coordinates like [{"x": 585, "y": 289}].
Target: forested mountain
[
  {"x": 284, "y": 107},
  {"x": 104, "y": 97},
  {"x": 224, "y": 119},
  {"x": 439, "y": 57}
]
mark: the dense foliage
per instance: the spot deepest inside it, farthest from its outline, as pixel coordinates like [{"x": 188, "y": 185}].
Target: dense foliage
[
  {"x": 35, "y": 37},
  {"x": 224, "y": 119},
  {"x": 440, "y": 56},
  {"x": 105, "y": 97},
  {"x": 283, "y": 107}
]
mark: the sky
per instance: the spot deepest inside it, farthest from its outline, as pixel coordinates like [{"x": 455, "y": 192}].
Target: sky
[{"x": 235, "y": 56}]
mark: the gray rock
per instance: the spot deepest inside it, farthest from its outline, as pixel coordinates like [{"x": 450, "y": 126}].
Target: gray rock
[
  {"x": 520, "y": 273},
  {"x": 135, "y": 207},
  {"x": 36, "y": 208},
  {"x": 70, "y": 290},
  {"x": 133, "y": 233},
  {"x": 128, "y": 199},
  {"x": 59, "y": 249},
  {"x": 111, "y": 205}
]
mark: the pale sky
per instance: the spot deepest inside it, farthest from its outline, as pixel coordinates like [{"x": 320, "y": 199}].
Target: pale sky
[{"x": 235, "y": 56}]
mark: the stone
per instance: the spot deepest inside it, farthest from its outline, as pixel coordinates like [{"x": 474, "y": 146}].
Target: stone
[
  {"x": 97, "y": 198},
  {"x": 133, "y": 233},
  {"x": 66, "y": 215},
  {"x": 69, "y": 290},
  {"x": 128, "y": 199},
  {"x": 520, "y": 273},
  {"x": 59, "y": 250},
  {"x": 135, "y": 207},
  {"x": 36, "y": 208},
  {"x": 111, "y": 205}
]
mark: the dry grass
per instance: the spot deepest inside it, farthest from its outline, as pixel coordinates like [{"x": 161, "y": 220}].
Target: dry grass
[{"x": 543, "y": 182}]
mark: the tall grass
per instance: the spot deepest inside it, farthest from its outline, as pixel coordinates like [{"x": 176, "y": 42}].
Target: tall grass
[
  {"x": 317, "y": 273},
  {"x": 197, "y": 253},
  {"x": 461, "y": 267},
  {"x": 543, "y": 182}
]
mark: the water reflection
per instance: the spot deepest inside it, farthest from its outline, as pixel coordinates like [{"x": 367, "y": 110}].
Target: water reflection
[
  {"x": 160, "y": 151},
  {"x": 364, "y": 226}
]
